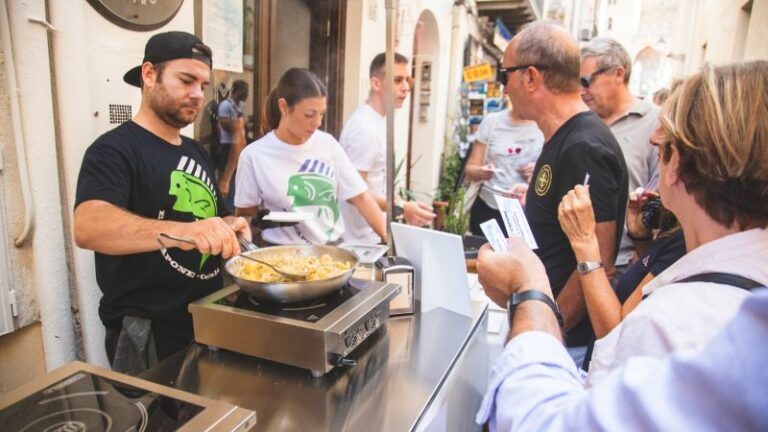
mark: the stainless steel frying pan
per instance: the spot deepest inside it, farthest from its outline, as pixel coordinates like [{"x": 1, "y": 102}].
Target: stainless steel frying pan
[{"x": 297, "y": 291}]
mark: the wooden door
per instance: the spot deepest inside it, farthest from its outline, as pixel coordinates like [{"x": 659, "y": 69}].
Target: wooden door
[{"x": 320, "y": 47}]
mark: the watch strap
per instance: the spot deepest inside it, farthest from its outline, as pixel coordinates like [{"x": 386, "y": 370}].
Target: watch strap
[
  {"x": 588, "y": 266},
  {"x": 517, "y": 298}
]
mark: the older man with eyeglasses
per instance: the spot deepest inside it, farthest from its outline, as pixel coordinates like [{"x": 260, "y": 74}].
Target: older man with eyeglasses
[
  {"x": 605, "y": 71},
  {"x": 541, "y": 71}
]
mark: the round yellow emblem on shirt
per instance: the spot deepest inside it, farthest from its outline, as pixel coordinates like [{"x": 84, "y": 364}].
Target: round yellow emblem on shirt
[{"x": 543, "y": 180}]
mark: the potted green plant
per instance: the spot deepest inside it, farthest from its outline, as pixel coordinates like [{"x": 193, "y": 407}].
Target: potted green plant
[
  {"x": 449, "y": 203},
  {"x": 455, "y": 219}
]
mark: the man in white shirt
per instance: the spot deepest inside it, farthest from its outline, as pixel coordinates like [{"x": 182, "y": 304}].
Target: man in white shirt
[
  {"x": 720, "y": 203},
  {"x": 364, "y": 139},
  {"x": 604, "y": 74}
]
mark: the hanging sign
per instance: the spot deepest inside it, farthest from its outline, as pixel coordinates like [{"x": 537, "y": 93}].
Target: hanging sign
[
  {"x": 480, "y": 72},
  {"x": 223, "y": 32}
]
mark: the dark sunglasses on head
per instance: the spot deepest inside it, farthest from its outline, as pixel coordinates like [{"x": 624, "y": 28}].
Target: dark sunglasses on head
[
  {"x": 586, "y": 81},
  {"x": 501, "y": 73}
]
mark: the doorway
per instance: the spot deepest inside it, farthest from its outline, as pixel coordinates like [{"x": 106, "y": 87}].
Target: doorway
[
  {"x": 301, "y": 33},
  {"x": 423, "y": 139}
]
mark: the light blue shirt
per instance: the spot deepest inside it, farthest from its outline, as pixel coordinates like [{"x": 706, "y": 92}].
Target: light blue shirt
[
  {"x": 535, "y": 385},
  {"x": 228, "y": 109}
]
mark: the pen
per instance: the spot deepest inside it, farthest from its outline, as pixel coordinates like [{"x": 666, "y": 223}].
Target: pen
[{"x": 653, "y": 183}]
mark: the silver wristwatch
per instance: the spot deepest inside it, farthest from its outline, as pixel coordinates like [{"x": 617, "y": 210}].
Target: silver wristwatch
[{"x": 588, "y": 266}]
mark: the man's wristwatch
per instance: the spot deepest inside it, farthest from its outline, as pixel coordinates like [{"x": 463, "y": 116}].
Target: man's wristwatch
[
  {"x": 517, "y": 298},
  {"x": 588, "y": 266},
  {"x": 397, "y": 210}
]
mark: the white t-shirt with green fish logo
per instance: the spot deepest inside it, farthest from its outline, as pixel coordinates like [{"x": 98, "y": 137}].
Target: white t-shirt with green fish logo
[{"x": 312, "y": 178}]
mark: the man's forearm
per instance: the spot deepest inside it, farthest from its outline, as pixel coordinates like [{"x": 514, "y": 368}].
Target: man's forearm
[
  {"x": 381, "y": 201},
  {"x": 570, "y": 299},
  {"x": 602, "y": 304},
  {"x": 108, "y": 229}
]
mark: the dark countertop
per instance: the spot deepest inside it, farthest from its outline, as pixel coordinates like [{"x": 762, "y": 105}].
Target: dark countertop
[{"x": 398, "y": 373}]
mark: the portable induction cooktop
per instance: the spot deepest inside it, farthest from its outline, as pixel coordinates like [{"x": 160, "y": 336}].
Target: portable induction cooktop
[
  {"x": 315, "y": 335},
  {"x": 79, "y": 397}
]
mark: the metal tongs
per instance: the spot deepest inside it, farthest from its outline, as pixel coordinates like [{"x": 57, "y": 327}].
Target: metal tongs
[{"x": 245, "y": 246}]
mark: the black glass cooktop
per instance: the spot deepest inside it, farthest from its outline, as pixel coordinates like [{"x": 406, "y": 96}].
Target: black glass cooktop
[
  {"x": 310, "y": 311},
  {"x": 87, "y": 402}
]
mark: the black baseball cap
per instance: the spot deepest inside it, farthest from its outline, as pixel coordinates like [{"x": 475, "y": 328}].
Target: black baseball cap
[{"x": 170, "y": 46}]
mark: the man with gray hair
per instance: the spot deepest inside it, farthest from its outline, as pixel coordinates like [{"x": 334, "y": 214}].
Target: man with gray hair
[
  {"x": 540, "y": 74},
  {"x": 605, "y": 71}
]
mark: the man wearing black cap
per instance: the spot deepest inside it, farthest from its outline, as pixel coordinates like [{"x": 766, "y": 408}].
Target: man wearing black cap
[{"x": 141, "y": 186}]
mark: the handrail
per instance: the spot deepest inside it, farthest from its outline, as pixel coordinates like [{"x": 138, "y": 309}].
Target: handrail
[{"x": 18, "y": 130}]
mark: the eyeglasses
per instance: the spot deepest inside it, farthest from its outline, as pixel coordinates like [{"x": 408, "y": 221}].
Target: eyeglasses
[
  {"x": 501, "y": 73},
  {"x": 586, "y": 81}
]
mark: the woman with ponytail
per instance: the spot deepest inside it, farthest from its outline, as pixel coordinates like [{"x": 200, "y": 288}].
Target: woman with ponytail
[{"x": 298, "y": 168}]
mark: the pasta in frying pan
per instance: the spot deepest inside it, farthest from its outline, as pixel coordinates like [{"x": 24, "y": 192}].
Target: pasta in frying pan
[{"x": 317, "y": 268}]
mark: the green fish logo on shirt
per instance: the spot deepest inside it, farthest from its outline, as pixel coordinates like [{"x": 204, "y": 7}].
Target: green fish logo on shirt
[
  {"x": 194, "y": 193},
  {"x": 313, "y": 186}
]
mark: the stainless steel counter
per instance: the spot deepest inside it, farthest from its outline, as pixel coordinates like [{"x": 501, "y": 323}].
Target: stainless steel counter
[{"x": 405, "y": 379}]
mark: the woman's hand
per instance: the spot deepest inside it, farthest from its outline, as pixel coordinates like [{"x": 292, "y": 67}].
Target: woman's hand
[
  {"x": 577, "y": 217},
  {"x": 481, "y": 172},
  {"x": 476, "y": 169},
  {"x": 519, "y": 191},
  {"x": 527, "y": 171}
]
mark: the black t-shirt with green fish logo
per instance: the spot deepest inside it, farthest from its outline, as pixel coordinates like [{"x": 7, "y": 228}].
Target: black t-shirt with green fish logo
[{"x": 134, "y": 169}]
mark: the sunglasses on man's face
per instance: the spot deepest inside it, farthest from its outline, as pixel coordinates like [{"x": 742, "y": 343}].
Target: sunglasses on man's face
[
  {"x": 502, "y": 72},
  {"x": 586, "y": 81}
]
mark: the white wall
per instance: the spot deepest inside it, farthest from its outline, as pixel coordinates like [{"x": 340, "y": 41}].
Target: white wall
[
  {"x": 41, "y": 275},
  {"x": 720, "y": 25}
]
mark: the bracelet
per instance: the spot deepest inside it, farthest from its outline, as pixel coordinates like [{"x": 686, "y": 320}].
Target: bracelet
[
  {"x": 517, "y": 298},
  {"x": 631, "y": 237}
]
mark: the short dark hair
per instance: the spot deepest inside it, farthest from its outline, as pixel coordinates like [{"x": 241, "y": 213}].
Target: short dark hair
[
  {"x": 239, "y": 85},
  {"x": 159, "y": 68},
  {"x": 537, "y": 45},
  {"x": 378, "y": 62}
]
